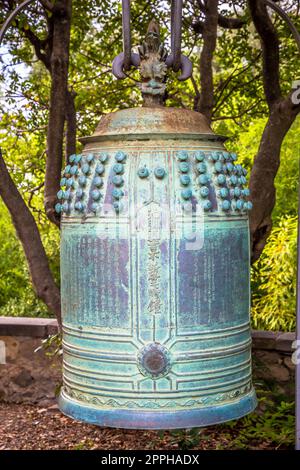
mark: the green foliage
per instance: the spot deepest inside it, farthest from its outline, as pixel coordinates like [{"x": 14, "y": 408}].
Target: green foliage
[
  {"x": 24, "y": 304},
  {"x": 87, "y": 444},
  {"x": 52, "y": 345},
  {"x": 274, "y": 274},
  {"x": 287, "y": 179},
  {"x": 246, "y": 143},
  {"x": 96, "y": 38},
  {"x": 12, "y": 273},
  {"x": 185, "y": 439},
  {"x": 270, "y": 426},
  {"x": 275, "y": 425},
  {"x": 17, "y": 297},
  {"x": 274, "y": 279},
  {"x": 240, "y": 112}
]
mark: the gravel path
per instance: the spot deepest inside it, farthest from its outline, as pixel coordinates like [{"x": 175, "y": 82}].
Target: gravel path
[{"x": 24, "y": 427}]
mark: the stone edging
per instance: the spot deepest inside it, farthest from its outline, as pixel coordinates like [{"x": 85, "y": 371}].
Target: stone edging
[
  {"x": 30, "y": 327},
  {"x": 273, "y": 340},
  {"x": 43, "y": 327}
]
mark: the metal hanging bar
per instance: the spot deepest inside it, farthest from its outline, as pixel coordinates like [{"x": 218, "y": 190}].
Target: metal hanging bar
[
  {"x": 126, "y": 34},
  {"x": 172, "y": 22},
  {"x": 123, "y": 61},
  {"x": 176, "y": 28},
  {"x": 175, "y": 60}
]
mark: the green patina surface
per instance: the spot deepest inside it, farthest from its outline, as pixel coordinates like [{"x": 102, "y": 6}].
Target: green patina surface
[{"x": 155, "y": 278}]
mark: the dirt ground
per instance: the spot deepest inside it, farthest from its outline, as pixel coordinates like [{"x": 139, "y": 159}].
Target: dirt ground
[{"x": 24, "y": 427}]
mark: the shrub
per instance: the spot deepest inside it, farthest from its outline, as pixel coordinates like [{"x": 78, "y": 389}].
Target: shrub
[{"x": 274, "y": 279}]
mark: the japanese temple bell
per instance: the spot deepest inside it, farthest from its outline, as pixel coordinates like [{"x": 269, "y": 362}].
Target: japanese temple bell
[{"x": 155, "y": 262}]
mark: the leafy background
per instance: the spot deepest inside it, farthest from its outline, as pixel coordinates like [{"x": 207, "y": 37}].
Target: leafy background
[{"x": 240, "y": 113}]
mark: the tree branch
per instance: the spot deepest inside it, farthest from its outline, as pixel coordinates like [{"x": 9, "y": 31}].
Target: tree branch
[
  {"x": 47, "y": 4},
  {"x": 270, "y": 48},
  {"x": 223, "y": 21},
  {"x": 206, "y": 102},
  {"x": 221, "y": 101},
  {"x": 32, "y": 193},
  {"x": 38, "y": 45},
  {"x": 282, "y": 113},
  {"x": 71, "y": 124},
  {"x": 230, "y": 23},
  {"x": 239, "y": 115},
  {"x": 59, "y": 63},
  {"x": 264, "y": 170}
]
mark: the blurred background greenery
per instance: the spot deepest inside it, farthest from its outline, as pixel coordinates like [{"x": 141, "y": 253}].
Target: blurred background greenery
[
  {"x": 273, "y": 276},
  {"x": 240, "y": 112}
]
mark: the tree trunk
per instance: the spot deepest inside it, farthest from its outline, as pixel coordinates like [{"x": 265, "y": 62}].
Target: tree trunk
[
  {"x": 71, "y": 124},
  {"x": 206, "y": 103},
  {"x": 264, "y": 170},
  {"x": 282, "y": 113},
  {"x": 59, "y": 63}
]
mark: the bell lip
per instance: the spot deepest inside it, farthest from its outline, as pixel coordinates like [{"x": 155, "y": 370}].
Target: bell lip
[
  {"x": 144, "y": 123},
  {"x": 138, "y": 419}
]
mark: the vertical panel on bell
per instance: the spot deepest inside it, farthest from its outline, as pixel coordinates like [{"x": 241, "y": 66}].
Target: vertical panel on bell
[
  {"x": 212, "y": 345},
  {"x": 95, "y": 280},
  {"x": 213, "y": 282},
  {"x": 152, "y": 246},
  {"x": 99, "y": 354}
]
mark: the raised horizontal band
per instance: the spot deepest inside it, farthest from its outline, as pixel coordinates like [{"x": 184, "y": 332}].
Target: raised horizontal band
[{"x": 138, "y": 419}]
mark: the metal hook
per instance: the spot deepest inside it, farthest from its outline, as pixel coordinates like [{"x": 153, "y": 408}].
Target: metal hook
[
  {"x": 176, "y": 26},
  {"x": 127, "y": 58},
  {"x": 126, "y": 34},
  {"x": 176, "y": 60}
]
